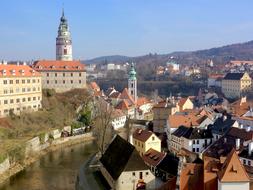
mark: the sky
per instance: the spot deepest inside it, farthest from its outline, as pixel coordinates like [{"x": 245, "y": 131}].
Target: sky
[{"x": 28, "y": 28}]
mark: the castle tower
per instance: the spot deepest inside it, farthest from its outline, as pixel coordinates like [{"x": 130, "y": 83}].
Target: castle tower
[
  {"x": 132, "y": 83},
  {"x": 63, "y": 41}
]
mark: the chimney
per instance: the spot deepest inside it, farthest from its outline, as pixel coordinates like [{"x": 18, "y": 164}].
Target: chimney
[
  {"x": 225, "y": 140},
  {"x": 250, "y": 148},
  {"x": 248, "y": 128},
  {"x": 237, "y": 143},
  {"x": 241, "y": 126}
]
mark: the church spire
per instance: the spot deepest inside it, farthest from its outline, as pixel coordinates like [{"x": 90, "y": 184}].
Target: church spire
[{"x": 132, "y": 83}]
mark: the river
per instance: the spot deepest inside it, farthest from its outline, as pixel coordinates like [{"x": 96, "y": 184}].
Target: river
[{"x": 54, "y": 171}]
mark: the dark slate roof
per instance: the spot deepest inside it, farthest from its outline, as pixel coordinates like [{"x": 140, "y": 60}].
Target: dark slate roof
[
  {"x": 169, "y": 164},
  {"x": 196, "y": 133},
  {"x": 221, "y": 125},
  {"x": 181, "y": 130},
  {"x": 121, "y": 156},
  {"x": 245, "y": 154},
  {"x": 233, "y": 76}
]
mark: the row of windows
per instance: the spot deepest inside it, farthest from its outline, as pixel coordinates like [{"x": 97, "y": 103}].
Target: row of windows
[
  {"x": 7, "y": 111},
  {"x": 18, "y": 100},
  {"x": 63, "y": 74},
  {"x": 245, "y": 162},
  {"x": 195, "y": 150},
  {"x": 18, "y": 90},
  {"x": 23, "y": 81},
  {"x": 63, "y": 82}
]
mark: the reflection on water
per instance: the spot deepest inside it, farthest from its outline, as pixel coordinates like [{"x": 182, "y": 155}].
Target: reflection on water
[{"x": 54, "y": 171}]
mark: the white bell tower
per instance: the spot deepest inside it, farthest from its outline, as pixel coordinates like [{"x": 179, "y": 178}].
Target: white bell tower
[
  {"x": 63, "y": 41},
  {"x": 132, "y": 83}
]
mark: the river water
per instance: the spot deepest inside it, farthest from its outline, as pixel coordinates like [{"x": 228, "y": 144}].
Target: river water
[{"x": 54, "y": 171}]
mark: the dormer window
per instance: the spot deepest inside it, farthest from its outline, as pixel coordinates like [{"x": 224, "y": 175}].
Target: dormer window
[
  {"x": 66, "y": 67},
  {"x": 78, "y": 67},
  {"x": 33, "y": 72},
  {"x": 22, "y": 71},
  {"x": 40, "y": 67},
  {"x": 4, "y": 72},
  {"x": 52, "y": 66},
  {"x": 13, "y": 72}
]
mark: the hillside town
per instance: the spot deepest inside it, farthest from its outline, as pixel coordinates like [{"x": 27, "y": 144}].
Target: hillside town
[{"x": 202, "y": 141}]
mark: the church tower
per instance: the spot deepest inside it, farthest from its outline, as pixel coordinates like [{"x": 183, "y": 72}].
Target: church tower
[
  {"x": 63, "y": 41},
  {"x": 132, "y": 83}
]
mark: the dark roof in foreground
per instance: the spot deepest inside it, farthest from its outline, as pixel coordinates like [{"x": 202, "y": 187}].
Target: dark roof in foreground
[
  {"x": 169, "y": 164},
  {"x": 121, "y": 156},
  {"x": 233, "y": 76}
]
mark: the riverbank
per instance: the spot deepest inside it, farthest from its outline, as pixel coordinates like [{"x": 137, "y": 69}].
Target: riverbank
[{"x": 55, "y": 145}]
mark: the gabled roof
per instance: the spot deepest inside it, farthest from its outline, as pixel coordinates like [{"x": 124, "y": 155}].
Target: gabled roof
[
  {"x": 142, "y": 100},
  {"x": 47, "y": 65},
  {"x": 233, "y": 76},
  {"x": 182, "y": 101},
  {"x": 142, "y": 135},
  {"x": 17, "y": 71},
  {"x": 153, "y": 157},
  {"x": 222, "y": 125},
  {"x": 121, "y": 156},
  {"x": 94, "y": 86},
  {"x": 180, "y": 131},
  {"x": 233, "y": 170},
  {"x": 169, "y": 164},
  {"x": 124, "y": 105},
  {"x": 125, "y": 95},
  {"x": 192, "y": 133},
  {"x": 115, "y": 95}
]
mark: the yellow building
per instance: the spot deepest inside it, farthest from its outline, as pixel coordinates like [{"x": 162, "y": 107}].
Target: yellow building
[
  {"x": 143, "y": 140},
  {"x": 235, "y": 85},
  {"x": 20, "y": 89}
]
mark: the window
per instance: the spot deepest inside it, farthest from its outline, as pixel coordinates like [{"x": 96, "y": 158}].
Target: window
[
  {"x": 55, "y": 74},
  {"x": 146, "y": 173},
  {"x": 23, "y": 81},
  {"x": 29, "y": 99},
  {"x": 17, "y": 81},
  {"x": 28, "y": 80},
  {"x": 34, "y": 89},
  {"x": 23, "y": 99},
  {"x": 47, "y": 74},
  {"x": 38, "y": 98},
  {"x": 17, "y": 90},
  {"x": 140, "y": 175},
  {"x": 34, "y": 81},
  {"x": 11, "y": 81},
  {"x": 5, "y": 81},
  {"x": 65, "y": 52},
  {"x": 80, "y": 74},
  {"x": 71, "y": 74},
  {"x": 34, "y": 98},
  {"x": 197, "y": 141},
  {"x": 244, "y": 162},
  {"x": 153, "y": 138},
  {"x": 47, "y": 81},
  {"x": 133, "y": 173},
  {"x": 197, "y": 150},
  {"x": 193, "y": 150},
  {"x": 193, "y": 142},
  {"x": 80, "y": 81},
  {"x": 17, "y": 100},
  {"x": 28, "y": 89},
  {"x": 63, "y": 74},
  {"x": 11, "y": 101},
  {"x": 5, "y": 101},
  {"x": 63, "y": 81},
  {"x": 11, "y": 91},
  {"x": 249, "y": 162},
  {"x": 5, "y": 91},
  {"x": 38, "y": 80},
  {"x": 71, "y": 81},
  {"x": 55, "y": 81},
  {"x": 23, "y": 89}
]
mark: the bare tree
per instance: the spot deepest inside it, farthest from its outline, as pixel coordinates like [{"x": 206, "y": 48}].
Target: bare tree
[{"x": 103, "y": 123}]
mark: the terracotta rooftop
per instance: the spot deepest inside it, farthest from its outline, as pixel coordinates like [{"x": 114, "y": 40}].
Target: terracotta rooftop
[
  {"x": 142, "y": 135},
  {"x": 94, "y": 86},
  {"x": 153, "y": 157},
  {"x": 182, "y": 101},
  {"x": 126, "y": 95},
  {"x": 49, "y": 65},
  {"x": 124, "y": 105},
  {"x": 186, "y": 120},
  {"x": 233, "y": 170},
  {"x": 17, "y": 71},
  {"x": 142, "y": 100},
  {"x": 115, "y": 95}
]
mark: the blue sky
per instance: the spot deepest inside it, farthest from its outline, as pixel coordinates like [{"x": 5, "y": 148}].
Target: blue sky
[{"x": 122, "y": 27}]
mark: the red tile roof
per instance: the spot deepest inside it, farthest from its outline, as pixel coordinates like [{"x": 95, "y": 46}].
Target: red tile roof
[
  {"x": 17, "y": 71},
  {"x": 49, "y": 65},
  {"x": 153, "y": 157},
  {"x": 182, "y": 101},
  {"x": 142, "y": 135},
  {"x": 233, "y": 170},
  {"x": 142, "y": 100},
  {"x": 124, "y": 105},
  {"x": 94, "y": 86},
  {"x": 126, "y": 95}
]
